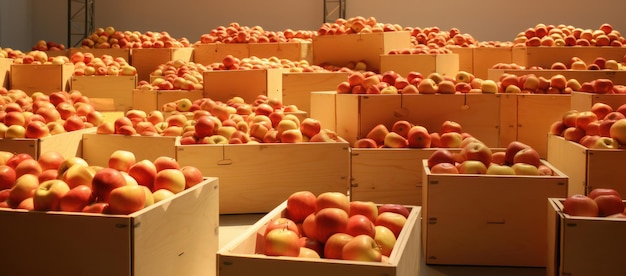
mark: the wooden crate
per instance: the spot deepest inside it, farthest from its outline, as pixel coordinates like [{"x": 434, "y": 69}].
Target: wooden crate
[
  {"x": 149, "y": 100},
  {"x": 123, "y": 53},
  {"x": 5, "y": 72},
  {"x": 255, "y": 178},
  {"x": 239, "y": 256},
  {"x": 587, "y": 168},
  {"x": 403, "y": 64},
  {"x": 297, "y": 87},
  {"x": 535, "y": 115},
  {"x": 546, "y": 56},
  {"x": 146, "y": 60},
  {"x": 479, "y": 114},
  {"x": 617, "y": 76},
  {"x": 357, "y": 114},
  {"x": 69, "y": 144},
  {"x": 177, "y": 236},
  {"x": 45, "y": 78},
  {"x": 323, "y": 106},
  {"x": 295, "y": 51},
  {"x": 98, "y": 147},
  {"x": 485, "y": 58},
  {"x": 340, "y": 50},
  {"x": 107, "y": 93},
  {"x": 584, "y": 245},
  {"x": 206, "y": 54},
  {"x": 466, "y": 58},
  {"x": 583, "y": 101},
  {"x": 491, "y": 220},
  {"x": 223, "y": 85}
]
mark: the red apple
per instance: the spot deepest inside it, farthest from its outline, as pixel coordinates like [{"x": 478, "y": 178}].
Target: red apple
[
  {"x": 144, "y": 172},
  {"x": 121, "y": 160},
  {"x": 76, "y": 199},
  {"x": 580, "y": 205},
  {"x": 48, "y": 195},
  {"x": 172, "y": 180},
  {"x": 511, "y": 149},
  {"x": 440, "y": 156},
  {"x": 24, "y": 187},
  {"x": 418, "y": 137},
  {"x": 7, "y": 177},
  {"x": 96, "y": 208},
  {"x": 329, "y": 221},
  {"x": 165, "y": 162},
  {"x": 394, "y": 208},
  {"x": 477, "y": 151},
  {"x": 193, "y": 175},
  {"x": 333, "y": 200},
  {"x": 365, "y": 208},
  {"x": 300, "y": 205},
  {"x": 450, "y": 126},
  {"x": 402, "y": 128},
  {"x": 362, "y": 248},
  {"x": 394, "y": 221},
  {"x": 603, "y": 191},
  {"x": 281, "y": 242},
  {"x": 360, "y": 225},
  {"x": 334, "y": 245},
  {"x": 447, "y": 168},
  {"x": 104, "y": 181},
  {"x": 529, "y": 156},
  {"x": 609, "y": 204},
  {"x": 50, "y": 160}
]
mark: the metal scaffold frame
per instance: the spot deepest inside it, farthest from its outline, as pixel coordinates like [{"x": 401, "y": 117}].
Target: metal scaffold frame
[
  {"x": 80, "y": 21},
  {"x": 333, "y": 10}
]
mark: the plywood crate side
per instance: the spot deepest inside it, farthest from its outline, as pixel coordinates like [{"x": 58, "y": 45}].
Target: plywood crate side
[
  {"x": 508, "y": 119},
  {"x": 535, "y": 115},
  {"x": 295, "y": 51},
  {"x": 340, "y": 50},
  {"x": 149, "y": 100},
  {"x": 106, "y": 89},
  {"x": 253, "y": 177},
  {"x": 445, "y": 64},
  {"x": 223, "y": 85},
  {"x": 69, "y": 144},
  {"x": 546, "y": 56},
  {"x": 146, "y": 60},
  {"x": 5, "y": 72},
  {"x": 239, "y": 258},
  {"x": 604, "y": 169},
  {"x": 323, "y": 106},
  {"x": 478, "y": 114},
  {"x": 141, "y": 243},
  {"x": 123, "y": 53},
  {"x": 508, "y": 237},
  {"x": 357, "y": 114},
  {"x": 466, "y": 58},
  {"x": 45, "y": 78},
  {"x": 583, "y": 101},
  {"x": 486, "y": 57},
  {"x": 297, "y": 87},
  {"x": 585, "y": 245},
  {"x": 206, "y": 54},
  {"x": 571, "y": 159},
  {"x": 98, "y": 147}
]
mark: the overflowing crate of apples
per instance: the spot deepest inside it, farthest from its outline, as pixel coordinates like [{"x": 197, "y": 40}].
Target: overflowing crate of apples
[
  {"x": 585, "y": 233},
  {"x": 470, "y": 190},
  {"x": 328, "y": 233},
  {"x": 137, "y": 213},
  {"x": 35, "y": 71}
]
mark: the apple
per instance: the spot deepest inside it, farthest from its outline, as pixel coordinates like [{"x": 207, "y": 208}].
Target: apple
[
  {"x": 608, "y": 204},
  {"x": 48, "y": 195},
  {"x": 281, "y": 223},
  {"x": 300, "y": 205},
  {"x": 306, "y": 252},
  {"x": 511, "y": 149},
  {"x": 440, "y": 156},
  {"x": 329, "y": 221},
  {"x": 312, "y": 244},
  {"x": 569, "y": 118},
  {"x": 36, "y": 130},
  {"x": 69, "y": 162},
  {"x": 450, "y": 126},
  {"x": 26, "y": 204},
  {"x": 451, "y": 140},
  {"x": 477, "y": 151},
  {"x": 603, "y": 191},
  {"x": 394, "y": 208},
  {"x": 309, "y": 127},
  {"x": 281, "y": 242},
  {"x": 121, "y": 160},
  {"x": 386, "y": 239},
  {"x": 401, "y": 127},
  {"x": 525, "y": 169},
  {"x": 362, "y": 248},
  {"x": 618, "y": 131},
  {"x": 76, "y": 199},
  {"x": 573, "y": 134},
  {"x": 96, "y": 208},
  {"x": 161, "y": 194},
  {"x": 144, "y": 172},
  {"x": 7, "y": 177},
  {"x": 126, "y": 199},
  {"x": 528, "y": 156},
  {"x": 50, "y": 160},
  {"x": 165, "y": 162},
  {"x": 495, "y": 169},
  {"x": 604, "y": 143},
  {"x": 24, "y": 187},
  {"x": 378, "y": 134},
  {"x": 360, "y": 225},
  {"x": 602, "y": 86},
  {"x": 193, "y": 175},
  {"x": 489, "y": 86},
  {"x": 601, "y": 110},
  {"x": 332, "y": 200},
  {"x": 334, "y": 245},
  {"x": 394, "y": 140},
  {"x": 393, "y": 221},
  {"x": 472, "y": 167},
  {"x": 365, "y": 143},
  {"x": 104, "y": 181},
  {"x": 463, "y": 76},
  {"x": 78, "y": 174},
  {"x": 365, "y": 208},
  {"x": 170, "y": 179},
  {"x": 418, "y": 137},
  {"x": 28, "y": 166},
  {"x": 584, "y": 118}
]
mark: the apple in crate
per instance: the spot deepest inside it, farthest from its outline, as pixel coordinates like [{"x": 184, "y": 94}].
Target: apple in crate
[
  {"x": 48, "y": 195},
  {"x": 329, "y": 221},
  {"x": 104, "y": 181},
  {"x": 126, "y": 199},
  {"x": 281, "y": 242},
  {"x": 333, "y": 200},
  {"x": 24, "y": 187},
  {"x": 76, "y": 199},
  {"x": 385, "y": 238},
  {"x": 365, "y": 208},
  {"x": 580, "y": 205},
  {"x": 360, "y": 225},
  {"x": 362, "y": 248},
  {"x": 391, "y": 220},
  {"x": 334, "y": 245},
  {"x": 300, "y": 205},
  {"x": 172, "y": 180}
]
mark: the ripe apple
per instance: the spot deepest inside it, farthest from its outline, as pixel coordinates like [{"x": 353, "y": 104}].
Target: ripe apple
[
  {"x": 76, "y": 199},
  {"x": 365, "y": 208},
  {"x": 477, "y": 151},
  {"x": 193, "y": 176},
  {"x": 309, "y": 127},
  {"x": 378, "y": 134},
  {"x": 50, "y": 160},
  {"x": 609, "y": 204},
  {"x": 165, "y": 162},
  {"x": 161, "y": 194},
  {"x": 511, "y": 149},
  {"x": 573, "y": 134},
  {"x": 583, "y": 119},
  {"x": 440, "y": 156},
  {"x": 604, "y": 143},
  {"x": 78, "y": 174},
  {"x": 365, "y": 143},
  {"x": 451, "y": 140},
  {"x": 362, "y": 248},
  {"x": 104, "y": 181},
  {"x": 329, "y": 221},
  {"x": 394, "y": 140},
  {"x": 360, "y": 225},
  {"x": 281, "y": 242},
  {"x": 300, "y": 205},
  {"x": 334, "y": 245},
  {"x": 472, "y": 167},
  {"x": 121, "y": 160},
  {"x": 618, "y": 131},
  {"x": 525, "y": 169},
  {"x": 332, "y": 200},
  {"x": 312, "y": 244},
  {"x": 495, "y": 169},
  {"x": 603, "y": 191},
  {"x": 24, "y": 187},
  {"x": 281, "y": 223},
  {"x": 144, "y": 172},
  {"x": 28, "y": 166},
  {"x": 170, "y": 179},
  {"x": 528, "y": 156},
  {"x": 418, "y": 137},
  {"x": 48, "y": 195},
  {"x": 580, "y": 205},
  {"x": 601, "y": 109},
  {"x": 7, "y": 177},
  {"x": 96, "y": 208},
  {"x": 394, "y": 208},
  {"x": 386, "y": 239},
  {"x": 126, "y": 199},
  {"x": 393, "y": 221}
]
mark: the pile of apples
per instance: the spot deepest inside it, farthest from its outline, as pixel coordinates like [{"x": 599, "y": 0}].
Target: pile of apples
[
  {"x": 434, "y": 37},
  {"x": 55, "y": 183},
  {"x": 390, "y": 82},
  {"x": 556, "y": 84},
  {"x": 86, "y": 64},
  {"x": 235, "y": 33},
  {"x": 599, "y": 63},
  {"x": 43, "y": 45},
  {"x": 357, "y": 25},
  {"x": 431, "y": 49},
  {"x": 108, "y": 37},
  {"x": 330, "y": 226},
  {"x": 40, "y": 57},
  {"x": 175, "y": 75},
  {"x": 41, "y": 115},
  {"x": 477, "y": 158},
  {"x": 601, "y": 202},
  {"x": 405, "y": 134},
  {"x": 602, "y": 127},
  {"x": 567, "y": 35},
  {"x": 10, "y": 53}
]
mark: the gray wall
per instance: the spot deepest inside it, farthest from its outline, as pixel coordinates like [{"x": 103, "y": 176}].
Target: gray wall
[{"x": 23, "y": 22}]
